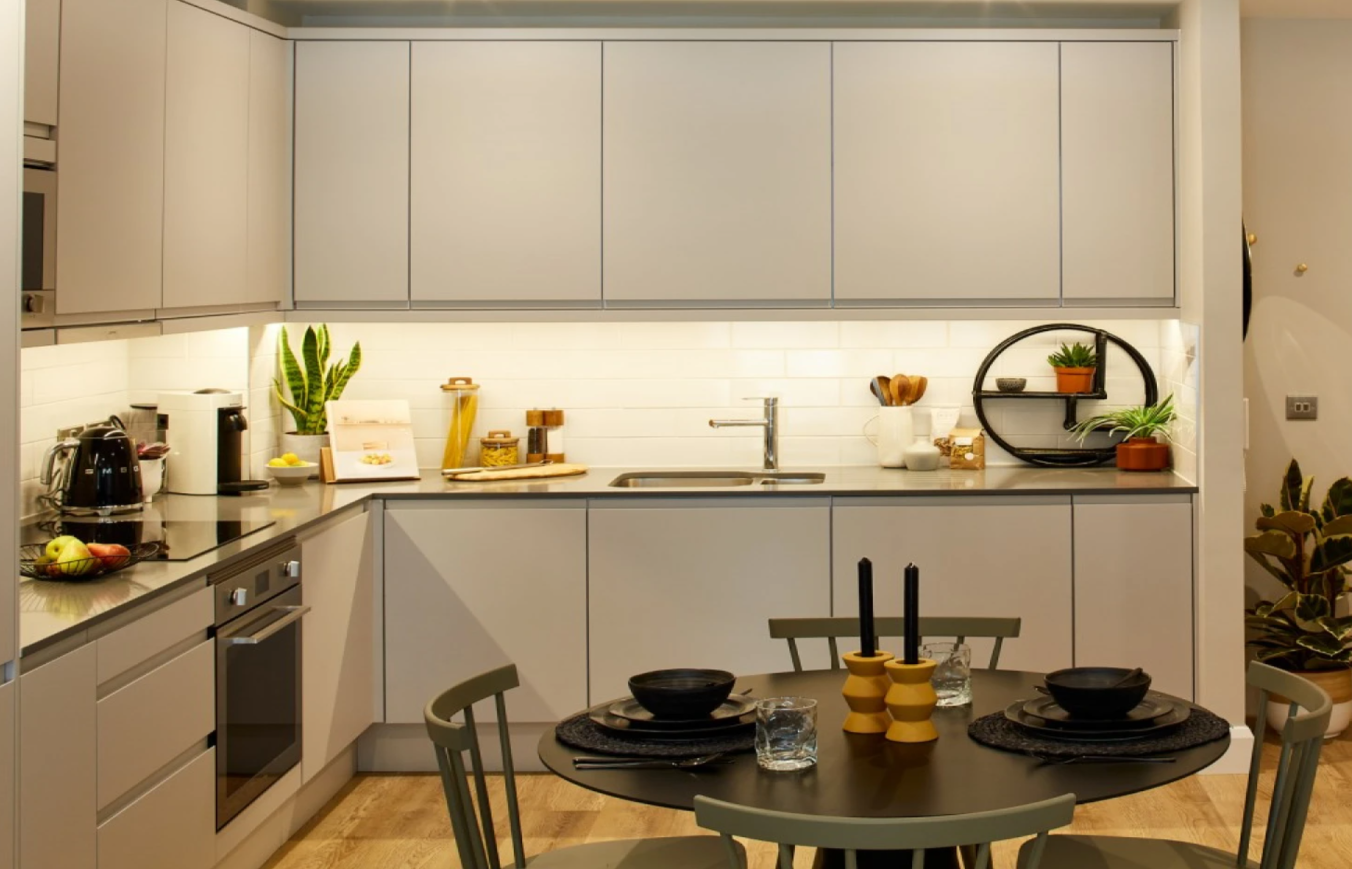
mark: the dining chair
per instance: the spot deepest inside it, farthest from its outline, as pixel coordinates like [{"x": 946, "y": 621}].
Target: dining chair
[
  {"x": 852, "y": 835},
  {"x": 1302, "y": 739},
  {"x": 478, "y": 845},
  {"x": 832, "y": 627}
]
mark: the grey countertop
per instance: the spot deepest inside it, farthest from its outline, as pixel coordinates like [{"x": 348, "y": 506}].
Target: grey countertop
[{"x": 52, "y": 612}]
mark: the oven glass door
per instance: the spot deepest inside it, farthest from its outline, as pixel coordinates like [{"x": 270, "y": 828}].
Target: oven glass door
[
  {"x": 38, "y": 263},
  {"x": 258, "y": 736}
]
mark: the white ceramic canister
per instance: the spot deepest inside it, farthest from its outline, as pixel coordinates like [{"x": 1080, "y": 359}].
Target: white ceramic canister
[
  {"x": 922, "y": 455},
  {"x": 896, "y": 431}
]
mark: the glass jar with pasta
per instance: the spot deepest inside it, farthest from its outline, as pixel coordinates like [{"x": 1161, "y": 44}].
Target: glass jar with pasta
[{"x": 462, "y": 403}]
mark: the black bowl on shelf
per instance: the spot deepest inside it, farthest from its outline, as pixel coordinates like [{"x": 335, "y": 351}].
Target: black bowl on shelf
[
  {"x": 1098, "y": 692},
  {"x": 683, "y": 694}
]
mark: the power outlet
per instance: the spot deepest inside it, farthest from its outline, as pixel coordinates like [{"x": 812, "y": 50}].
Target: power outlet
[{"x": 1302, "y": 407}]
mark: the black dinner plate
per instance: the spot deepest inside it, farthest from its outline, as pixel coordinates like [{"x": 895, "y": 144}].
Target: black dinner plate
[
  {"x": 1150, "y": 710},
  {"x": 632, "y": 711},
  {"x": 1015, "y": 713},
  {"x": 601, "y": 717}
]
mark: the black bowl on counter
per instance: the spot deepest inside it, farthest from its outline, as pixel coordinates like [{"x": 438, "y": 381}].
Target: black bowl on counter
[
  {"x": 681, "y": 694},
  {"x": 1098, "y": 692}
]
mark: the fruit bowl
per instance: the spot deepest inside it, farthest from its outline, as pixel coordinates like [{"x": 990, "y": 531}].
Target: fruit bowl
[
  {"x": 35, "y": 564},
  {"x": 292, "y": 475}
]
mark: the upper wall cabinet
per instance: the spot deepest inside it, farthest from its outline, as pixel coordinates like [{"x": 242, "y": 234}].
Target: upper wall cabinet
[
  {"x": 717, "y": 173},
  {"x": 206, "y": 152},
  {"x": 1117, "y": 165},
  {"x": 111, "y": 197},
  {"x": 506, "y": 153},
  {"x": 946, "y": 172},
  {"x": 42, "y": 32},
  {"x": 269, "y": 246},
  {"x": 351, "y": 165}
]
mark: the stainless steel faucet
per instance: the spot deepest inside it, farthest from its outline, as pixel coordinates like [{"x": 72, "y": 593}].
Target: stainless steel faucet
[{"x": 770, "y": 424}]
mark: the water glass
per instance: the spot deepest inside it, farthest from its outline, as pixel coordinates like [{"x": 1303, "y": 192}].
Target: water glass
[
  {"x": 786, "y": 733},
  {"x": 952, "y": 679}
]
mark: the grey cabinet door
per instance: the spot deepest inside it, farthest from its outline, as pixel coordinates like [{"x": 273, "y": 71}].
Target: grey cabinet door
[
  {"x": 506, "y": 169},
  {"x": 269, "y": 222},
  {"x": 675, "y": 584},
  {"x": 9, "y": 784},
  {"x": 1132, "y": 611},
  {"x": 946, "y": 173},
  {"x": 717, "y": 172},
  {"x": 999, "y": 556},
  {"x": 1117, "y": 171},
  {"x": 42, "y": 32},
  {"x": 477, "y": 584}
]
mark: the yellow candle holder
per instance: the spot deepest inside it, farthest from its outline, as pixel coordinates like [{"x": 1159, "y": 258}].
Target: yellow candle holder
[
  {"x": 864, "y": 690},
  {"x": 910, "y": 701}
]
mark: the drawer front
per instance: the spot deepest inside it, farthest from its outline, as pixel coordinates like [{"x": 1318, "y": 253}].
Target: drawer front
[
  {"x": 148, "y": 723},
  {"x": 172, "y": 826},
  {"x": 147, "y": 637}
]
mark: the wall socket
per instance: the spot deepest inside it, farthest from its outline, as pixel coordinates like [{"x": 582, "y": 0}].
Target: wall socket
[{"x": 1302, "y": 407}]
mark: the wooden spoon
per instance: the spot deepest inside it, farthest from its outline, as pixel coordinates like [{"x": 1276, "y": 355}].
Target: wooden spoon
[
  {"x": 881, "y": 389},
  {"x": 918, "y": 385},
  {"x": 901, "y": 387}
]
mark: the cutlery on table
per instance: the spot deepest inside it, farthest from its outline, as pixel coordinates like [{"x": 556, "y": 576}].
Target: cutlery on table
[
  {"x": 1099, "y": 758},
  {"x": 649, "y": 763}
]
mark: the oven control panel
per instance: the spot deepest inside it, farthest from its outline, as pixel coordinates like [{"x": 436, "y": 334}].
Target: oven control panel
[{"x": 243, "y": 588}]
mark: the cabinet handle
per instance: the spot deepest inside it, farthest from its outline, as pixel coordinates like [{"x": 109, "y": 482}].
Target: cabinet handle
[
  {"x": 290, "y": 569},
  {"x": 1252, "y": 238},
  {"x": 293, "y": 614},
  {"x": 1302, "y": 269}
]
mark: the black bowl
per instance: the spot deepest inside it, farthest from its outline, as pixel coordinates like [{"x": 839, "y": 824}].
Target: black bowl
[
  {"x": 1093, "y": 692},
  {"x": 682, "y": 694}
]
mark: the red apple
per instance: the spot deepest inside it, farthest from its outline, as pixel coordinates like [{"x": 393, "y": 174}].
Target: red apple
[{"x": 113, "y": 555}]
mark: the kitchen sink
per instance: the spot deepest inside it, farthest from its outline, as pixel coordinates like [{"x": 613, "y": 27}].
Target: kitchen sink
[{"x": 712, "y": 479}]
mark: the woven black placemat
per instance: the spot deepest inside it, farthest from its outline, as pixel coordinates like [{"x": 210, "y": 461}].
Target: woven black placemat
[
  {"x": 581, "y": 732},
  {"x": 999, "y": 732}
]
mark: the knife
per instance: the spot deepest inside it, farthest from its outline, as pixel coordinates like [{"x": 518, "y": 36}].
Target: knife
[{"x": 450, "y": 472}]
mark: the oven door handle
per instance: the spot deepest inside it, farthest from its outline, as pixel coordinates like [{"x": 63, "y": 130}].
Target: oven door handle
[{"x": 293, "y": 614}]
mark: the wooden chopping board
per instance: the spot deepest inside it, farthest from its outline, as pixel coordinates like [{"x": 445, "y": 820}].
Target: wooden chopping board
[{"x": 563, "y": 469}]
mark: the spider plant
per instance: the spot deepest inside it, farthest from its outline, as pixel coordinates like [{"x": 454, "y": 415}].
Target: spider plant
[
  {"x": 317, "y": 382},
  {"x": 1076, "y": 355},
  {"x": 1147, "y": 421}
]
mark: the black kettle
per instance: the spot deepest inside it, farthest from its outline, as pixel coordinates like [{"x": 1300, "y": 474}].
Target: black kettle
[{"x": 101, "y": 474}]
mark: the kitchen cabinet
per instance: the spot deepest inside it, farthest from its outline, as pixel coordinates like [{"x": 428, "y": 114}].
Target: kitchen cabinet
[
  {"x": 1000, "y": 556},
  {"x": 171, "y": 826},
  {"x": 8, "y": 780},
  {"x": 269, "y": 213},
  {"x": 506, "y": 153},
  {"x": 351, "y": 172},
  {"x": 693, "y": 583},
  {"x": 206, "y": 154},
  {"x": 42, "y": 46},
  {"x": 717, "y": 173},
  {"x": 1117, "y": 172},
  {"x": 946, "y": 172},
  {"x": 340, "y": 682},
  {"x": 476, "y": 584},
  {"x": 1134, "y": 609},
  {"x": 57, "y": 778},
  {"x": 110, "y": 203}
]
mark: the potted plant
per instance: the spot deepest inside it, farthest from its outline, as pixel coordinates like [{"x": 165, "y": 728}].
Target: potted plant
[
  {"x": 1143, "y": 426},
  {"x": 1307, "y": 551},
  {"x": 1075, "y": 365},
  {"x": 311, "y": 382}
]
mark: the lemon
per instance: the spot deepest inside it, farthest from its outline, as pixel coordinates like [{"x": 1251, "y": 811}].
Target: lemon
[
  {"x": 291, "y": 459},
  {"x": 277, "y": 463}
]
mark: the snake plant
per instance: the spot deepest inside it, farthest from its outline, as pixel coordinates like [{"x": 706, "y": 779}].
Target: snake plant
[
  {"x": 1076, "y": 355},
  {"x": 315, "y": 383}
]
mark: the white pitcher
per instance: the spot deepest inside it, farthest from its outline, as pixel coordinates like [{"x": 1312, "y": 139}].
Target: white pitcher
[{"x": 896, "y": 431}]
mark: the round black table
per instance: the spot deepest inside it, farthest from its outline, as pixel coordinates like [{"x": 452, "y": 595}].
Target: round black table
[{"x": 867, "y": 776}]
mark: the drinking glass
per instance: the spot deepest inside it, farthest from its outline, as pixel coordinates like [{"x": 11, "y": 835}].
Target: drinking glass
[
  {"x": 952, "y": 679},
  {"x": 786, "y": 733}
]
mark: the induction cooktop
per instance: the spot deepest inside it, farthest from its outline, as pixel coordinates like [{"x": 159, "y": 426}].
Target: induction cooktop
[{"x": 179, "y": 539}]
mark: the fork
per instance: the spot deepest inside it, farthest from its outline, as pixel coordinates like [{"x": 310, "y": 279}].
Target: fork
[
  {"x": 1098, "y": 758},
  {"x": 648, "y": 763}
]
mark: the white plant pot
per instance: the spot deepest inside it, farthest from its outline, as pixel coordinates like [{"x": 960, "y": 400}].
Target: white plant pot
[
  {"x": 306, "y": 447},
  {"x": 1342, "y": 708}
]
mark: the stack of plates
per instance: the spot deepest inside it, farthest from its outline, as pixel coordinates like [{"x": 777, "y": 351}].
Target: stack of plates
[
  {"x": 626, "y": 717},
  {"x": 1155, "y": 715}
]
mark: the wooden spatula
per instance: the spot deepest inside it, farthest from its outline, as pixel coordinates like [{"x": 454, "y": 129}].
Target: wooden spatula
[
  {"x": 901, "y": 387},
  {"x": 918, "y": 385}
]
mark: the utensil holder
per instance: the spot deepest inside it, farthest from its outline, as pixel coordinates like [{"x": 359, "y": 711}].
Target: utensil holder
[
  {"x": 910, "y": 701},
  {"x": 896, "y": 431},
  {"x": 864, "y": 692}
]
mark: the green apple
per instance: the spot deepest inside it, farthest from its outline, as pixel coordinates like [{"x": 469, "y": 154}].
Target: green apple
[
  {"x": 57, "y": 544},
  {"x": 75, "y": 560}
]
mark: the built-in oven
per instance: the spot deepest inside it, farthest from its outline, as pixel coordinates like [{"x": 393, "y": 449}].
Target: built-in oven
[
  {"x": 38, "y": 267},
  {"x": 258, "y": 658}
]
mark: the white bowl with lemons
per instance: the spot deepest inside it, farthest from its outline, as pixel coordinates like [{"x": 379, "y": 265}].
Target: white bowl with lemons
[{"x": 288, "y": 469}]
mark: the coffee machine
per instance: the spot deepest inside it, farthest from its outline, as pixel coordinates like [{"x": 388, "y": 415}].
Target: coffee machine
[{"x": 206, "y": 442}]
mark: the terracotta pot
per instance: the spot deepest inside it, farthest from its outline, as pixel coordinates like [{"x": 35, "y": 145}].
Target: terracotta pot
[
  {"x": 1074, "y": 379},
  {"x": 1142, "y": 454},
  {"x": 1336, "y": 683}
]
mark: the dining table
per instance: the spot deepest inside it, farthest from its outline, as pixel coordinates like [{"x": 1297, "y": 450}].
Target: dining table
[{"x": 867, "y": 776}]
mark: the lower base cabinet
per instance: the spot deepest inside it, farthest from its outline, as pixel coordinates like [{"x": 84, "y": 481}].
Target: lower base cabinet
[
  {"x": 8, "y": 783},
  {"x": 171, "y": 826}
]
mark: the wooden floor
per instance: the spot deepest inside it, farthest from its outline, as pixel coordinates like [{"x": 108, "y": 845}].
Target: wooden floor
[{"x": 397, "y": 821}]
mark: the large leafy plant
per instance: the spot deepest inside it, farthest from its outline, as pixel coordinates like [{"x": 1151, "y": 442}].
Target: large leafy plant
[
  {"x": 1147, "y": 421},
  {"x": 1076, "y": 355},
  {"x": 1307, "y": 551},
  {"x": 316, "y": 382}
]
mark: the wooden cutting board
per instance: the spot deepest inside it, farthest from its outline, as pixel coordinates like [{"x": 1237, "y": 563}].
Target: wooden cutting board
[{"x": 563, "y": 469}]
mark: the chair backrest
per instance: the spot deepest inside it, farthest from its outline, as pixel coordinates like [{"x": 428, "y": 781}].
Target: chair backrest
[
  {"x": 884, "y": 834},
  {"x": 1302, "y": 740},
  {"x": 832, "y": 627},
  {"x": 477, "y": 845}
]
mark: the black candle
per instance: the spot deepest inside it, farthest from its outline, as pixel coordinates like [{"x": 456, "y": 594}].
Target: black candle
[
  {"x": 867, "y": 642},
  {"x": 911, "y": 614}
]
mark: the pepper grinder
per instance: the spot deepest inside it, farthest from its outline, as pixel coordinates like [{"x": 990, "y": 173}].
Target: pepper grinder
[{"x": 544, "y": 436}]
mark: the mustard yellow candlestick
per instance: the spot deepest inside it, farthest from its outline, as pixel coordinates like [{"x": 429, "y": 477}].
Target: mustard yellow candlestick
[
  {"x": 910, "y": 701},
  {"x": 865, "y": 688}
]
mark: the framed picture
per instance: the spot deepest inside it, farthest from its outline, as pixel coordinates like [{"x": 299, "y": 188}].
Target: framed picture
[{"x": 372, "y": 440}]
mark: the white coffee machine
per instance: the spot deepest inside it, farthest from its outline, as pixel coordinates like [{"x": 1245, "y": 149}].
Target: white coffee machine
[{"x": 205, "y": 442}]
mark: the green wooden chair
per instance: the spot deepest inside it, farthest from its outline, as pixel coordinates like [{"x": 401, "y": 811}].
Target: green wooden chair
[
  {"x": 1302, "y": 740},
  {"x": 478, "y": 845},
  {"x": 852, "y": 835},
  {"x": 832, "y": 627}
]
